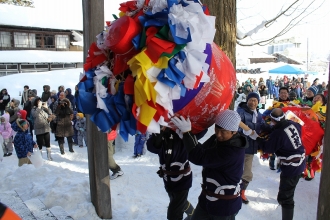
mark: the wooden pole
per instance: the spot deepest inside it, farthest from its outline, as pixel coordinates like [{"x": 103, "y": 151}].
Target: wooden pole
[
  {"x": 93, "y": 16},
  {"x": 323, "y": 210}
]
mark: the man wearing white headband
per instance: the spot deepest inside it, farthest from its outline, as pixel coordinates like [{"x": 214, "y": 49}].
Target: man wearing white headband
[
  {"x": 222, "y": 158},
  {"x": 285, "y": 142}
]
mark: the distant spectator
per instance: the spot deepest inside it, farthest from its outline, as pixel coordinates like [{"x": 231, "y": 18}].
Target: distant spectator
[
  {"x": 292, "y": 95},
  {"x": 42, "y": 115},
  {"x": 263, "y": 91},
  {"x": 81, "y": 128},
  {"x": 60, "y": 89},
  {"x": 6, "y": 132},
  {"x": 270, "y": 85},
  {"x": 321, "y": 88},
  {"x": 68, "y": 95},
  {"x": 4, "y": 100},
  {"x": 64, "y": 115},
  {"x": 25, "y": 95},
  {"x": 310, "y": 93},
  {"x": 140, "y": 139},
  {"x": 28, "y": 107},
  {"x": 13, "y": 109},
  {"x": 45, "y": 97}
]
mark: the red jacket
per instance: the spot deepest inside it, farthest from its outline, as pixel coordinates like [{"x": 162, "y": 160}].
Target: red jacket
[{"x": 112, "y": 135}]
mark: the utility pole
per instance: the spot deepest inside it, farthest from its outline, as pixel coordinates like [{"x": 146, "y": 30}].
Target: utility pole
[
  {"x": 323, "y": 210},
  {"x": 93, "y": 16},
  {"x": 307, "y": 62}
]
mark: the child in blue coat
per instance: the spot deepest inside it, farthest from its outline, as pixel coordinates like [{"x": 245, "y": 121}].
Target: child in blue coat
[
  {"x": 140, "y": 139},
  {"x": 23, "y": 143}
]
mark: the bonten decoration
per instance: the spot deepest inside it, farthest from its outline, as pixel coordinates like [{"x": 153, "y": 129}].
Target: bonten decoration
[{"x": 156, "y": 60}]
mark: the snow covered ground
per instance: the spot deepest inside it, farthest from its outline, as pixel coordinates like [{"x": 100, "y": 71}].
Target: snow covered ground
[{"x": 139, "y": 193}]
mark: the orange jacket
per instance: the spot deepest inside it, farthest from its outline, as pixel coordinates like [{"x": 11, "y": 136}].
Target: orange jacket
[{"x": 7, "y": 214}]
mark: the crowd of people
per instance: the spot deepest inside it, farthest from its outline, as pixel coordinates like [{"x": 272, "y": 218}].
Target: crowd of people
[
  {"x": 52, "y": 112},
  {"x": 298, "y": 88},
  {"x": 226, "y": 157}
]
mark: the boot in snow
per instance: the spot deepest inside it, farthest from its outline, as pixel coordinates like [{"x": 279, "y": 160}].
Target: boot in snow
[
  {"x": 49, "y": 156},
  {"x": 62, "y": 149},
  {"x": 189, "y": 211},
  {"x": 70, "y": 148},
  {"x": 244, "y": 186}
]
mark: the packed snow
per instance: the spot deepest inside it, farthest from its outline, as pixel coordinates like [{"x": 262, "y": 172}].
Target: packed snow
[{"x": 139, "y": 193}]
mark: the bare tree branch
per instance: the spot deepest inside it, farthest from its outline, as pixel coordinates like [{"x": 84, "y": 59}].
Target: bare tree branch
[{"x": 287, "y": 28}]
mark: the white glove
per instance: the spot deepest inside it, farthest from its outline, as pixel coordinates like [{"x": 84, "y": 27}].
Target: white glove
[
  {"x": 254, "y": 136},
  {"x": 184, "y": 125},
  {"x": 248, "y": 132},
  {"x": 179, "y": 133}
]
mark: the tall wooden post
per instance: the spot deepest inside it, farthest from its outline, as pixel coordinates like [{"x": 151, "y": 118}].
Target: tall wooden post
[
  {"x": 323, "y": 209},
  {"x": 93, "y": 15}
]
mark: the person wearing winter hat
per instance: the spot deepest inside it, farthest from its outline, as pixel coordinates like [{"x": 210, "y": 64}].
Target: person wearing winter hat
[
  {"x": 80, "y": 126},
  {"x": 41, "y": 116},
  {"x": 222, "y": 158},
  {"x": 310, "y": 93},
  {"x": 13, "y": 109},
  {"x": 23, "y": 143},
  {"x": 21, "y": 114},
  {"x": 4, "y": 100},
  {"x": 6, "y": 132},
  {"x": 250, "y": 116}
]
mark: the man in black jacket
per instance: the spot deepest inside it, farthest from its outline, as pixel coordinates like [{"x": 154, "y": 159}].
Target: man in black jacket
[
  {"x": 285, "y": 141},
  {"x": 222, "y": 158},
  {"x": 175, "y": 170}
]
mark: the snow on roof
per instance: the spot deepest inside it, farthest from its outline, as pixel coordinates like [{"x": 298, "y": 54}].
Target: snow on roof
[
  {"x": 41, "y": 56},
  {"x": 60, "y": 14}
]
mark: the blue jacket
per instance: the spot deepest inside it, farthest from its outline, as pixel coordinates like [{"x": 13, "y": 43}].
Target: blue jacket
[
  {"x": 270, "y": 85},
  {"x": 285, "y": 142},
  {"x": 222, "y": 170},
  {"x": 246, "y": 116},
  {"x": 23, "y": 143}
]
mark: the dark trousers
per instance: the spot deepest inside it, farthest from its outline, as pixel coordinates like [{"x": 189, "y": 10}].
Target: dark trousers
[
  {"x": 43, "y": 140},
  {"x": 286, "y": 191},
  {"x": 201, "y": 214},
  {"x": 61, "y": 140},
  {"x": 178, "y": 203}
]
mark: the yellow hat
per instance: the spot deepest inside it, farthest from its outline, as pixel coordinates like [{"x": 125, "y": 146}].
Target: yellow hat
[{"x": 81, "y": 115}]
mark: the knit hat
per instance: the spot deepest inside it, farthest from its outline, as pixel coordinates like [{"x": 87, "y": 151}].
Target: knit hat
[
  {"x": 23, "y": 114},
  {"x": 81, "y": 115},
  {"x": 16, "y": 102},
  {"x": 228, "y": 120},
  {"x": 22, "y": 122},
  {"x": 292, "y": 95},
  {"x": 253, "y": 95},
  {"x": 314, "y": 89}
]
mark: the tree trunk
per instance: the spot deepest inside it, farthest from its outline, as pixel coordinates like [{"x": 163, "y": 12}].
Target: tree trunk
[
  {"x": 93, "y": 16},
  {"x": 323, "y": 210},
  {"x": 225, "y": 24}
]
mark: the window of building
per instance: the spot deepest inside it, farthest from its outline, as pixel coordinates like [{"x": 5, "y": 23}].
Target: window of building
[
  {"x": 5, "y": 39},
  {"x": 62, "y": 41},
  {"x": 24, "y": 40}
]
